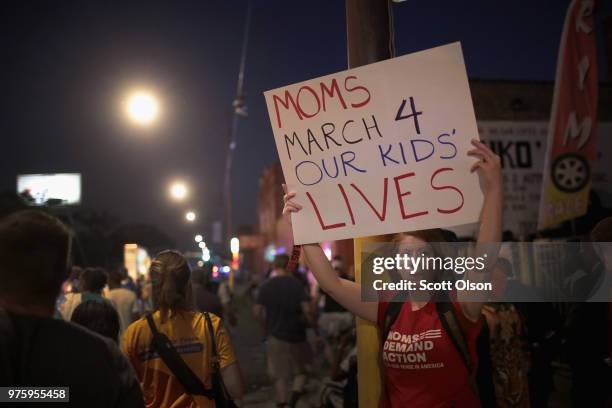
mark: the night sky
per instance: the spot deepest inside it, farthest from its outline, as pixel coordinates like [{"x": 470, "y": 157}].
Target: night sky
[{"x": 66, "y": 65}]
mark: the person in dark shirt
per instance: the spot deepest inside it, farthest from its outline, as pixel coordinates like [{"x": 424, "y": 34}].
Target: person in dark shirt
[
  {"x": 204, "y": 297},
  {"x": 284, "y": 308},
  {"x": 98, "y": 316},
  {"x": 91, "y": 284},
  {"x": 37, "y": 350}
]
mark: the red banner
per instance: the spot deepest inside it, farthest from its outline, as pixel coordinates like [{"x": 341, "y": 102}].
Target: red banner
[{"x": 571, "y": 138}]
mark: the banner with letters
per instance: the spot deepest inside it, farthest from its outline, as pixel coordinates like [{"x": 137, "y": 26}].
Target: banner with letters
[{"x": 572, "y": 129}]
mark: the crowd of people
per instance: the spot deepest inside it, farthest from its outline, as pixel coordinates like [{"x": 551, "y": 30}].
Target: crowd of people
[
  {"x": 94, "y": 339},
  {"x": 164, "y": 341}
]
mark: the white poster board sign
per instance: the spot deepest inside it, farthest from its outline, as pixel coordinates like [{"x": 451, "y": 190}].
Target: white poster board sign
[{"x": 380, "y": 148}]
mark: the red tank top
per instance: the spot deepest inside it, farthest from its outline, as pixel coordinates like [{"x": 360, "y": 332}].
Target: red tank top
[{"x": 422, "y": 366}]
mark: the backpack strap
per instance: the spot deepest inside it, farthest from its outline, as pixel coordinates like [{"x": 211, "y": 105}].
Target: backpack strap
[
  {"x": 192, "y": 384},
  {"x": 391, "y": 313},
  {"x": 394, "y": 307},
  {"x": 450, "y": 323}
]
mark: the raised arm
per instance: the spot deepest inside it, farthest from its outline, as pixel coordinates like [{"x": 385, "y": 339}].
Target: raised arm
[
  {"x": 344, "y": 291},
  {"x": 490, "y": 231},
  {"x": 489, "y": 165}
]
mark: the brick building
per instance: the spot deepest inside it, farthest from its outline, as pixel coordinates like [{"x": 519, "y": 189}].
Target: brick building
[{"x": 275, "y": 230}]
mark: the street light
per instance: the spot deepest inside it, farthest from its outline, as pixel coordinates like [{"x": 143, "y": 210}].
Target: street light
[
  {"x": 235, "y": 250},
  {"x": 190, "y": 216},
  {"x": 178, "y": 190},
  {"x": 199, "y": 238},
  {"x": 205, "y": 254},
  {"x": 202, "y": 244},
  {"x": 142, "y": 107},
  {"x": 234, "y": 245}
]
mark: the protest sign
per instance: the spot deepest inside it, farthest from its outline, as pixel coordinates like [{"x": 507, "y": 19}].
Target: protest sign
[{"x": 379, "y": 149}]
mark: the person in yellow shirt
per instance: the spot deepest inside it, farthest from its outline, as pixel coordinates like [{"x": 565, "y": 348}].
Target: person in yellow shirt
[{"x": 186, "y": 328}]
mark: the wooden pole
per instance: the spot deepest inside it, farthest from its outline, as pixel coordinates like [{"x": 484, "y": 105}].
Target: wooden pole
[{"x": 369, "y": 27}]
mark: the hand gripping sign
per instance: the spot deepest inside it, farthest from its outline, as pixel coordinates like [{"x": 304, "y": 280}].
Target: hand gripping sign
[{"x": 379, "y": 149}]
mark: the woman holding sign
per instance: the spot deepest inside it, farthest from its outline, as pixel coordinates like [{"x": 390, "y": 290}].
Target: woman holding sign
[{"x": 429, "y": 353}]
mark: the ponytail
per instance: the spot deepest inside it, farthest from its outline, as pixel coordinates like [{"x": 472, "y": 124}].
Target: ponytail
[{"x": 170, "y": 274}]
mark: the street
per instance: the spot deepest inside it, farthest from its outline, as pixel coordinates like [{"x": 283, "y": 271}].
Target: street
[{"x": 248, "y": 343}]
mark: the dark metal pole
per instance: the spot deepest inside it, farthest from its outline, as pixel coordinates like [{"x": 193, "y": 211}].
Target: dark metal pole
[{"x": 239, "y": 110}]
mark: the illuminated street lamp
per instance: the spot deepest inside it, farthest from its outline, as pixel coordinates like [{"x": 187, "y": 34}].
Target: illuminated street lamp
[
  {"x": 205, "y": 254},
  {"x": 178, "y": 190},
  {"x": 142, "y": 108},
  {"x": 199, "y": 238},
  {"x": 235, "y": 250},
  {"x": 190, "y": 216},
  {"x": 234, "y": 245},
  {"x": 202, "y": 244}
]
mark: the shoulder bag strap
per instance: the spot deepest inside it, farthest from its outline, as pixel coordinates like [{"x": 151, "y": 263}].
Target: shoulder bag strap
[
  {"x": 222, "y": 397},
  {"x": 213, "y": 343},
  {"x": 167, "y": 352}
]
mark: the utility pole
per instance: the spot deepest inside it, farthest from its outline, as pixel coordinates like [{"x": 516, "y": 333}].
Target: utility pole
[
  {"x": 369, "y": 26},
  {"x": 240, "y": 110}
]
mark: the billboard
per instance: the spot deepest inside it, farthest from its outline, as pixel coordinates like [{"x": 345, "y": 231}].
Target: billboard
[{"x": 50, "y": 189}]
